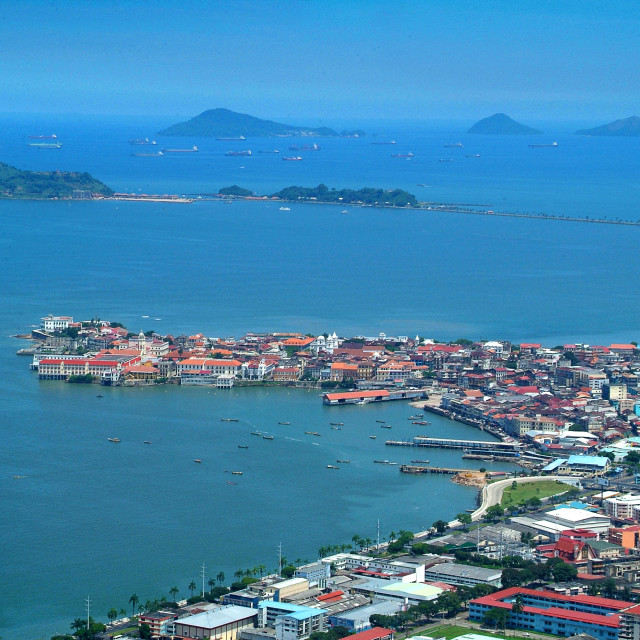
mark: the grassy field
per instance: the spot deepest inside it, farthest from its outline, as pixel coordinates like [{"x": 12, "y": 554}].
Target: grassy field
[
  {"x": 452, "y": 631},
  {"x": 526, "y": 490}
]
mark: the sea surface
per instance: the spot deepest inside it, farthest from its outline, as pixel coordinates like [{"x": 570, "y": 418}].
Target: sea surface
[{"x": 92, "y": 518}]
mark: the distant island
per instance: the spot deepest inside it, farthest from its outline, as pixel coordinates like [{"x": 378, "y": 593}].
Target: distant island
[
  {"x": 223, "y": 123},
  {"x": 322, "y": 193},
  {"x": 501, "y": 124},
  {"x": 625, "y": 127},
  {"x": 47, "y": 185}
]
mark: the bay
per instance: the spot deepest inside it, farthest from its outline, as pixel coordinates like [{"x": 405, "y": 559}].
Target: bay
[{"x": 105, "y": 520}]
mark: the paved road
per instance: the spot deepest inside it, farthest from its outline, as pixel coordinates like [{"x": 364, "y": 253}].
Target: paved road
[{"x": 492, "y": 493}]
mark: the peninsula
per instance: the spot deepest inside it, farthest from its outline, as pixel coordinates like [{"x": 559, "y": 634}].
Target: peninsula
[
  {"x": 224, "y": 123},
  {"x": 624, "y": 127},
  {"x": 48, "y": 185},
  {"x": 502, "y": 124}
]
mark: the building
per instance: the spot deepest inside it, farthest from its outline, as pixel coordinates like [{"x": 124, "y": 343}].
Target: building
[
  {"x": 549, "y": 612},
  {"x": 624, "y": 507},
  {"x": 579, "y": 464},
  {"x": 375, "y": 633},
  {"x": 160, "y": 623},
  {"x": 221, "y": 624},
  {"x": 316, "y": 573},
  {"x": 358, "y": 619},
  {"x": 291, "y": 621},
  {"x": 460, "y": 574},
  {"x": 627, "y": 537},
  {"x": 55, "y": 323}
]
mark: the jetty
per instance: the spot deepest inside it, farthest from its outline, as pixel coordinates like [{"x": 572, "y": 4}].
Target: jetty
[
  {"x": 412, "y": 468},
  {"x": 365, "y": 397},
  {"x": 511, "y": 449}
]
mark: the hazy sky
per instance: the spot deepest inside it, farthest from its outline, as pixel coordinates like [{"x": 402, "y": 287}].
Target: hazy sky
[{"x": 315, "y": 59}]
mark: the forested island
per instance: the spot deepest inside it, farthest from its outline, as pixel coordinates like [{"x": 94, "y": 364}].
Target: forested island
[
  {"x": 322, "y": 193},
  {"x": 501, "y": 124},
  {"x": 624, "y": 127},
  {"x": 224, "y": 123},
  {"x": 46, "y": 185}
]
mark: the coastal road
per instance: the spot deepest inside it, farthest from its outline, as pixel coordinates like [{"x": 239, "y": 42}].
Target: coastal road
[{"x": 492, "y": 493}]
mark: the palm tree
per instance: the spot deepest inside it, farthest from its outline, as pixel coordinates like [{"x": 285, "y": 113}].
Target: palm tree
[
  {"x": 173, "y": 592},
  {"x": 133, "y": 601},
  {"x": 112, "y": 614},
  {"x": 220, "y": 577},
  {"x": 357, "y": 541},
  {"x": 238, "y": 574},
  {"x": 78, "y": 624},
  {"x": 192, "y": 587},
  {"x": 518, "y": 605},
  {"x": 392, "y": 536},
  {"x": 212, "y": 583},
  {"x": 261, "y": 570}
]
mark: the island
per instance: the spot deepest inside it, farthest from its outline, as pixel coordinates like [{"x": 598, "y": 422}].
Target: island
[
  {"x": 224, "y": 123},
  {"x": 502, "y": 124},
  {"x": 366, "y": 196},
  {"x": 49, "y": 185},
  {"x": 624, "y": 127}
]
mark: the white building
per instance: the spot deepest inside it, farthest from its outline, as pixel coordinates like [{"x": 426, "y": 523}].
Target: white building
[
  {"x": 221, "y": 624},
  {"x": 55, "y": 323},
  {"x": 622, "y": 506}
]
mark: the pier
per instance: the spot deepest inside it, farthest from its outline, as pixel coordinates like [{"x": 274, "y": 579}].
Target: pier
[
  {"x": 472, "y": 446},
  {"x": 410, "y": 468}
]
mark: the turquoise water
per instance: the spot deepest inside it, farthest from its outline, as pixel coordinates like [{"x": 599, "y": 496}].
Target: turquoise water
[{"x": 91, "y": 517}]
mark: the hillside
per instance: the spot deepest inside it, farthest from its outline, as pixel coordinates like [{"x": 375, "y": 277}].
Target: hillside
[
  {"x": 624, "y": 127},
  {"x": 501, "y": 124},
  {"x": 42, "y": 185},
  {"x": 221, "y": 123}
]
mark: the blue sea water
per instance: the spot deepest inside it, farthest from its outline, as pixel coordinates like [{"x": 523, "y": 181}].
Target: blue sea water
[{"x": 94, "y": 518}]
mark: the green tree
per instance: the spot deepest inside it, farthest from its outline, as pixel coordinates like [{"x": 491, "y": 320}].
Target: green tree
[
  {"x": 465, "y": 519},
  {"x": 220, "y": 577},
  {"x": 192, "y": 587},
  {"x": 494, "y": 512},
  {"x": 518, "y": 605},
  {"x": 534, "y": 502},
  {"x": 173, "y": 592},
  {"x": 563, "y": 572},
  {"x": 449, "y": 602},
  {"x": 78, "y": 624},
  {"x": 133, "y": 601},
  {"x": 496, "y": 618},
  {"x": 440, "y": 526},
  {"x": 145, "y": 631}
]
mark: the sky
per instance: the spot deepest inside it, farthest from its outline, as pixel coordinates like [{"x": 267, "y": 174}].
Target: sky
[{"x": 323, "y": 60}]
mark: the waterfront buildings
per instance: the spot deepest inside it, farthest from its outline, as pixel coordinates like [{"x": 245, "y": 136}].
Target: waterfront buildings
[{"x": 224, "y": 623}]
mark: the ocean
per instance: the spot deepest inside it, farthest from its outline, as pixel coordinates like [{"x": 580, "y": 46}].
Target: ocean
[{"x": 92, "y": 518}]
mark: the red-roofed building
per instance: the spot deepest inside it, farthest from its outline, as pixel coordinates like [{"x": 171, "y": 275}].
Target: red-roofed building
[
  {"x": 549, "y": 612},
  {"x": 375, "y": 633}
]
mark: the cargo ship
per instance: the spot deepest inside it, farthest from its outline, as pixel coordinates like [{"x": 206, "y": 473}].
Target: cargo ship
[
  {"x": 453, "y": 145},
  {"x": 272, "y": 151},
  {"x": 538, "y": 146},
  {"x": 402, "y": 155},
  {"x": 46, "y": 145},
  {"x": 193, "y": 149},
  {"x": 238, "y": 153},
  {"x": 141, "y": 141},
  {"x": 232, "y": 138},
  {"x": 384, "y": 142},
  {"x": 148, "y": 155},
  {"x": 293, "y": 159},
  {"x": 53, "y": 136}
]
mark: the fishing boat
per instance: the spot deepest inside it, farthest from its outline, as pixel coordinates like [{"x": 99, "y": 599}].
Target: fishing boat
[
  {"x": 237, "y": 473},
  {"x": 383, "y": 421},
  {"x": 332, "y": 466},
  {"x": 416, "y": 417},
  {"x": 197, "y": 460},
  {"x": 395, "y": 463},
  {"x": 232, "y": 138},
  {"x": 246, "y": 152},
  {"x": 453, "y": 145},
  {"x": 148, "y": 155},
  {"x": 381, "y": 461},
  {"x": 141, "y": 141},
  {"x": 285, "y": 208},
  {"x": 419, "y": 462},
  {"x": 337, "y": 428},
  {"x": 271, "y": 151},
  {"x": 99, "y": 396},
  {"x": 243, "y": 446},
  {"x": 267, "y": 437},
  {"x": 343, "y": 461},
  {"x": 284, "y": 423},
  {"x": 293, "y": 159},
  {"x": 337, "y": 424},
  {"x": 402, "y": 155},
  {"x": 373, "y": 437},
  {"x": 256, "y": 433},
  {"x": 229, "y": 419},
  {"x": 231, "y": 482},
  {"x": 385, "y": 426},
  {"x": 46, "y": 145},
  {"x": 113, "y": 439},
  {"x": 147, "y": 441},
  {"x": 421, "y": 422}
]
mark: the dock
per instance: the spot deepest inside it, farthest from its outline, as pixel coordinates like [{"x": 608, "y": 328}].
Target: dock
[
  {"x": 470, "y": 446},
  {"x": 410, "y": 468},
  {"x": 365, "y": 397}
]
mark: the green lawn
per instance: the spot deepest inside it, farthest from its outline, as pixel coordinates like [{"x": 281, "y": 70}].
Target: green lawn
[
  {"x": 526, "y": 490},
  {"x": 452, "y": 631}
]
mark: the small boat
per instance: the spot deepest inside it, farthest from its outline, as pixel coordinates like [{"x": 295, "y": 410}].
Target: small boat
[
  {"x": 337, "y": 424},
  {"x": 113, "y": 439},
  {"x": 243, "y": 446},
  {"x": 385, "y": 426},
  {"x": 313, "y": 433},
  {"x": 243, "y": 153},
  {"x": 232, "y": 138},
  {"x": 419, "y": 462},
  {"x": 337, "y": 428},
  {"x": 373, "y": 437},
  {"x": 416, "y": 417},
  {"x": 231, "y": 482},
  {"x": 142, "y": 141},
  {"x": 193, "y": 149},
  {"x": 256, "y": 433},
  {"x": 272, "y": 151},
  {"x": 421, "y": 422},
  {"x": 285, "y": 208},
  {"x": 402, "y": 155},
  {"x": 237, "y": 473},
  {"x": 453, "y": 145},
  {"x": 474, "y": 155},
  {"x": 197, "y": 460},
  {"x": 229, "y": 419},
  {"x": 392, "y": 463},
  {"x": 332, "y": 466},
  {"x": 383, "y": 421},
  {"x": 344, "y": 212},
  {"x": 284, "y": 423},
  {"x": 293, "y": 159},
  {"x": 148, "y": 155},
  {"x": 267, "y": 437},
  {"x": 147, "y": 441},
  {"x": 99, "y": 396},
  {"x": 343, "y": 461},
  {"x": 381, "y": 461}
]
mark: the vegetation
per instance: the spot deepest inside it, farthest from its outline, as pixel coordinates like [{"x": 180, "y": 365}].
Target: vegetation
[
  {"x": 367, "y": 196},
  {"x": 501, "y": 124},
  {"x": 521, "y": 494},
  {"x": 85, "y": 378},
  {"x": 235, "y": 190},
  {"x": 226, "y": 123},
  {"x": 46, "y": 185}
]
